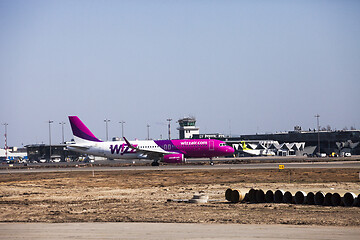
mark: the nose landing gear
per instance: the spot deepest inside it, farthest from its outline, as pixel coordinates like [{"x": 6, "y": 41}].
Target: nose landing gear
[{"x": 211, "y": 162}]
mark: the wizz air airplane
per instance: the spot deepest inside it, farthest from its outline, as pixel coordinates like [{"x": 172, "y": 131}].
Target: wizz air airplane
[{"x": 169, "y": 151}]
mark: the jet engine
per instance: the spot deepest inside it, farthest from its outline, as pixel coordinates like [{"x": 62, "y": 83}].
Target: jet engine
[{"x": 174, "y": 158}]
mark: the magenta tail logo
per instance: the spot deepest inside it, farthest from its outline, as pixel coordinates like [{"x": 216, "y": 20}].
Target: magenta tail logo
[{"x": 122, "y": 149}]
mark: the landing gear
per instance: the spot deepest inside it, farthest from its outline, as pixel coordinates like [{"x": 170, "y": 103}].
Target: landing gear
[
  {"x": 211, "y": 162},
  {"x": 155, "y": 163}
]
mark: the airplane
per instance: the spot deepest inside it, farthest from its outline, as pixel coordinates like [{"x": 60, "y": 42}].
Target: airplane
[
  {"x": 9, "y": 156},
  {"x": 256, "y": 152},
  {"x": 168, "y": 151}
]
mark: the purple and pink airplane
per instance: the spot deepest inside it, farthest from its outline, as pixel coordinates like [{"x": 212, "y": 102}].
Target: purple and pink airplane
[{"x": 169, "y": 151}]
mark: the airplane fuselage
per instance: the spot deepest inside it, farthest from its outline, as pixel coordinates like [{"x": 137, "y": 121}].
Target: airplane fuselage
[{"x": 196, "y": 148}]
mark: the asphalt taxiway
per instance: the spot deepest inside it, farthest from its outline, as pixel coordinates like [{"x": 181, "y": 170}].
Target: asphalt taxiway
[
  {"x": 287, "y": 165},
  {"x": 39, "y": 231}
]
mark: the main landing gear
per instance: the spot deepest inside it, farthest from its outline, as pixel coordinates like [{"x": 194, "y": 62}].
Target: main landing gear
[{"x": 155, "y": 163}]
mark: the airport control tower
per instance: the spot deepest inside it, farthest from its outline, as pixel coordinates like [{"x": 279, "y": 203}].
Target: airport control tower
[{"x": 187, "y": 127}]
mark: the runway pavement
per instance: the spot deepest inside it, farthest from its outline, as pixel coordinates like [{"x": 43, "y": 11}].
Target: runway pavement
[
  {"x": 39, "y": 231},
  {"x": 287, "y": 165}
]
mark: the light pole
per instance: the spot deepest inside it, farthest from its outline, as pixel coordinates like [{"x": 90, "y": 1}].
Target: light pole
[
  {"x": 107, "y": 130},
  {"x": 148, "y": 131},
  {"x": 5, "y": 135},
  {"x": 318, "y": 126},
  {"x": 50, "y": 122},
  {"x": 122, "y": 129},
  {"x": 169, "y": 120},
  {"x": 62, "y": 131}
]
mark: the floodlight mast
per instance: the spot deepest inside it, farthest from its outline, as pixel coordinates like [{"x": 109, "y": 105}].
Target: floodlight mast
[
  {"x": 5, "y": 135},
  {"x": 107, "y": 129},
  {"x": 62, "y": 131},
  {"x": 318, "y": 127},
  {"x": 169, "y": 120},
  {"x": 50, "y": 122},
  {"x": 148, "y": 131},
  {"x": 122, "y": 129}
]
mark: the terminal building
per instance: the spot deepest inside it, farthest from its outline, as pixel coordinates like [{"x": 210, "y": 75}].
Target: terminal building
[
  {"x": 326, "y": 142},
  {"x": 59, "y": 153},
  {"x": 296, "y": 142}
]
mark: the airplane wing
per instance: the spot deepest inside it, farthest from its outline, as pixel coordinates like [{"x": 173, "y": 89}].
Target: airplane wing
[{"x": 151, "y": 153}]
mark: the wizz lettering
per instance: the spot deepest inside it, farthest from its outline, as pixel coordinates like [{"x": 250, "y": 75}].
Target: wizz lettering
[{"x": 122, "y": 149}]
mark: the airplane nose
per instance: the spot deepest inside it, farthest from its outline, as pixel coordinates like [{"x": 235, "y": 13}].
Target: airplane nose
[{"x": 231, "y": 150}]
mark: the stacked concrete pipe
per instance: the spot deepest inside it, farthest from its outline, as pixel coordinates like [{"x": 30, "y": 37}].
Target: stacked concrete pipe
[
  {"x": 310, "y": 198},
  {"x": 288, "y": 197},
  {"x": 357, "y": 202},
  {"x": 260, "y": 196},
  {"x": 252, "y": 195},
  {"x": 300, "y": 197},
  {"x": 319, "y": 198},
  {"x": 336, "y": 199},
  {"x": 269, "y": 196},
  {"x": 280, "y": 196},
  {"x": 349, "y": 199},
  {"x": 234, "y": 196},
  {"x": 327, "y": 199},
  {"x": 228, "y": 194}
]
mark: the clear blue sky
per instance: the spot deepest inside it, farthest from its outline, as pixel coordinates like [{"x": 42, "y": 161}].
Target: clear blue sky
[{"x": 239, "y": 66}]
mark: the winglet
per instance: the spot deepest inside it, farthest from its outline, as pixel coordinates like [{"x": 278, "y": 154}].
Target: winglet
[{"x": 129, "y": 144}]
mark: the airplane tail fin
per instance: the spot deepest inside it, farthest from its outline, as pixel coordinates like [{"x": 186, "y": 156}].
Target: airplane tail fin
[
  {"x": 244, "y": 147},
  {"x": 80, "y": 131}
]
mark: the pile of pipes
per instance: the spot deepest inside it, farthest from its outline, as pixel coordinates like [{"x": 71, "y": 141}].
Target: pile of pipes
[{"x": 280, "y": 196}]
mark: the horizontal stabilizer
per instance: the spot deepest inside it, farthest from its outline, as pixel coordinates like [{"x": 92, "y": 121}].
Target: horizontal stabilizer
[{"x": 79, "y": 147}]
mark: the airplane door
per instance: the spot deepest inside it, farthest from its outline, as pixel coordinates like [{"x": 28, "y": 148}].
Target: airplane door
[{"x": 211, "y": 145}]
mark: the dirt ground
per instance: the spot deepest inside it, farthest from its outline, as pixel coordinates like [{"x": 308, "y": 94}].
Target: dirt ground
[{"x": 143, "y": 196}]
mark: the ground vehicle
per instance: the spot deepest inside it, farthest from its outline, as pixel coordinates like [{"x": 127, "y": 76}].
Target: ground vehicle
[
  {"x": 333, "y": 154},
  {"x": 345, "y": 154}
]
